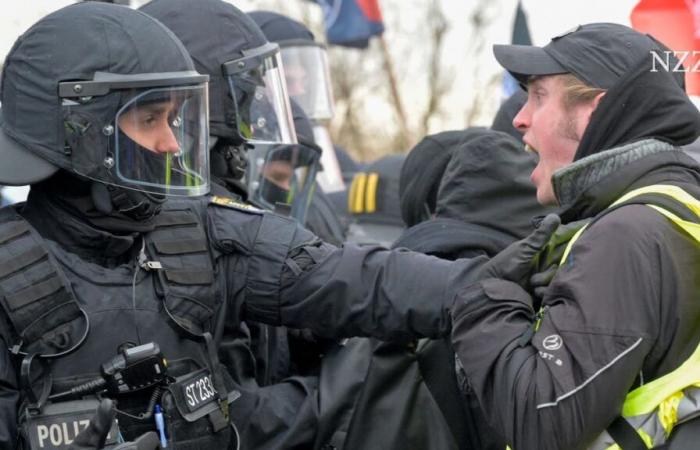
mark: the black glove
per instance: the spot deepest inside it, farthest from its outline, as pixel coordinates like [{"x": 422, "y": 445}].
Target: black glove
[
  {"x": 93, "y": 437},
  {"x": 517, "y": 261},
  {"x": 147, "y": 441},
  {"x": 551, "y": 256},
  {"x": 539, "y": 282}
]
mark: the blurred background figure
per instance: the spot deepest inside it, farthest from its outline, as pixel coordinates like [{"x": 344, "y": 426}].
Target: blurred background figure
[
  {"x": 308, "y": 85},
  {"x": 484, "y": 198},
  {"x": 373, "y": 203},
  {"x": 475, "y": 201}
]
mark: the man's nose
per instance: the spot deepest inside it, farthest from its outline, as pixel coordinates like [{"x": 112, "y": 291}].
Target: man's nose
[
  {"x": 521, "y": 121},
  {"x": 166, "y": 141}
]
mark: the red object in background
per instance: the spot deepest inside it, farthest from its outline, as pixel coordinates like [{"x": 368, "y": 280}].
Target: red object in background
[
  {"x": 676, "y": 23},
  {"x": 371, "y": 9}
]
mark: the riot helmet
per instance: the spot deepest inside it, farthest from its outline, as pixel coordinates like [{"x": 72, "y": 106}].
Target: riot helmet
[
  {"x": 305, "y": 63},
  {"x": 101, "y": 105}
]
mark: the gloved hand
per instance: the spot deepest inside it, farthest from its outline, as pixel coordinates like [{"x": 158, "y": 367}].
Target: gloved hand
[
  {"x": 551, "y": 256},
  {"x": 539, "y": 282},
  {"x": 517, "y": 261},
  {"x": 93, "y": 437},
  {"x": 147, "y": 441}
]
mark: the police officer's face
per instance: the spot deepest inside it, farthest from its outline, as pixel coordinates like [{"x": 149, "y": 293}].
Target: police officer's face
[
  {"x": 296, "y": 78},
  {"x": 149, "y": 126},
  {"x": 551, "y": 130},
  {"x": 280, "y": 173}
]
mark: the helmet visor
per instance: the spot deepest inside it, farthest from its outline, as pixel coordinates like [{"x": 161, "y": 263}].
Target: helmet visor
[
  {"x": 160, "y": 141},
  {"x": 259, "y": 91},
  {"x": 308, "y": 80},
  {"x": 284, "y": 174}
]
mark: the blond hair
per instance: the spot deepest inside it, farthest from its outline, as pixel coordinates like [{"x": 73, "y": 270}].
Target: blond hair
[{"x": 576, "y": 91}]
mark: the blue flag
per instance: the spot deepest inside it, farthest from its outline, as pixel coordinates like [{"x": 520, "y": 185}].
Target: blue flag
[
  {"x": 520, "y": 36},
  {"x": 351, "y": 23}
]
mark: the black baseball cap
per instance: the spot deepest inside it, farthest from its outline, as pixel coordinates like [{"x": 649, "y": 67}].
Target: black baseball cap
[{"x": 597, "y": 53}]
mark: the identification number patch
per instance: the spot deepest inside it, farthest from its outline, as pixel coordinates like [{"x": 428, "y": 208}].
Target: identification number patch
[{"x": 198, "y": 391}]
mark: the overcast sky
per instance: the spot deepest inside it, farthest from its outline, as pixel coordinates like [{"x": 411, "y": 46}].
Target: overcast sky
[{"x": 547, "y": 17}]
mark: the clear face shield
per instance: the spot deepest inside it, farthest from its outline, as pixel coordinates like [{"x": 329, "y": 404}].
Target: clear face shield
[
  {"x": 283, "y": 174},
  {"x": 308, "y": 78},
  {"x": 259, "y": 92},
  {"x": 158, "y": 140}
]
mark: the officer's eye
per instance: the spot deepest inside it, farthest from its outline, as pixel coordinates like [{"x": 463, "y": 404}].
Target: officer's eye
[{"x": 149, "y": 121}]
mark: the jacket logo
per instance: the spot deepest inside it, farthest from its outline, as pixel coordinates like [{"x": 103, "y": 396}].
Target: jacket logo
[{"x": 552, "y": 342}]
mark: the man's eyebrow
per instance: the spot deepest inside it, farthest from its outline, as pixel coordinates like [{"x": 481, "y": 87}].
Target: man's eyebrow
[
  {"x": 158, "y": 108},
  {"x": 534, "y": 82}
]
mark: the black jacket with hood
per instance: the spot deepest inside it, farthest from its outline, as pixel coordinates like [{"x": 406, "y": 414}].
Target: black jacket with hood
[
  {"x": 622, "y": 309},
  {"x": 484, "y": 202}
]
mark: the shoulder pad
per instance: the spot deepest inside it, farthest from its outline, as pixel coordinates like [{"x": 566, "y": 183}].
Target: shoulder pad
[{"x": 228, "y": 202}]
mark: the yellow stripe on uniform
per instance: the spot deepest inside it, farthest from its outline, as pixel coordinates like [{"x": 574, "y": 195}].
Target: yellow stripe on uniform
[
  {"x": 357, "y": 193},
  {"x": 371, "y": 193}
]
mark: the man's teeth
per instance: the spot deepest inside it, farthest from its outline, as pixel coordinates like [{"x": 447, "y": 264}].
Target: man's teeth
[{"x": 528, "y": 148}]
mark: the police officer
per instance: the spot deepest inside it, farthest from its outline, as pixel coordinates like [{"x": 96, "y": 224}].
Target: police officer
[
  {"x": 255, "y": 155},
  {"x": 309, "y": 86}
]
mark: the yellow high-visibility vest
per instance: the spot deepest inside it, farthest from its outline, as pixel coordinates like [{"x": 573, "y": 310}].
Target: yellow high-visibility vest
[{"x": 655, "y": 408}]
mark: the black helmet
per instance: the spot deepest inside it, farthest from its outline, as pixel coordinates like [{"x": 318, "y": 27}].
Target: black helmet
[
  {"x": 77, "y": 89},
  {"x": 248, "y": 97}
]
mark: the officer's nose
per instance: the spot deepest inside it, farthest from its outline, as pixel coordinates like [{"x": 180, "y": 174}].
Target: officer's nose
[{"x": 165, "y": 141}]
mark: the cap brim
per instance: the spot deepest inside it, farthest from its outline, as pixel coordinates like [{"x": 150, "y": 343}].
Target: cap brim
[
  {"x": 524, "y": 61},
  {"x": 18, "y": 165}
]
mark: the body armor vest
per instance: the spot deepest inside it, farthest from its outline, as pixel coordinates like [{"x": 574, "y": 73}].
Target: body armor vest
[{"x": 74, "y": 315}]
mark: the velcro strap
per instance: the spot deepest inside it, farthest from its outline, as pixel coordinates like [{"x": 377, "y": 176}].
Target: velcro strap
[
  {"x": 13, "y": 230},
  {"x": 21, "y": 261},
  {"x": 33, "y": 293},
  {"x": 180, "y": 247},
  {"x": 51, "y": 320},
  {"x": 185, "y": 276},
  {"x": 175, "y": 217},
  {"x": 625, "y": 435}
]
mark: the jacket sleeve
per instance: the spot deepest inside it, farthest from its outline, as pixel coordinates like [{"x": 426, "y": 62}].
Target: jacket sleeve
[
  {"x": 561, "y": 386},
  {"x": 9, "y": 399},
  {"x": 294, "y": 279},
  {"x": 366, "y": 291}
]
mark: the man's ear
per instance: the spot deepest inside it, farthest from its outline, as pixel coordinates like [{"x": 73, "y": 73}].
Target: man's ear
[{"x": 597, "y": 99}]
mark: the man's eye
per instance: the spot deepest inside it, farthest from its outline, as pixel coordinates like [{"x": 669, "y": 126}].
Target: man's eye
[{"x": 148, "y": 121}]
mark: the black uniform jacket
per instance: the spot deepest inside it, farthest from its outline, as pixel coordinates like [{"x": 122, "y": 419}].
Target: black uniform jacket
[{"x": 261, "y": 260}]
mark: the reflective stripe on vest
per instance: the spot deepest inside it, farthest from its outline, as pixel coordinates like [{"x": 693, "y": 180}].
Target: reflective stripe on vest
[{"x": 653, "y": 409}]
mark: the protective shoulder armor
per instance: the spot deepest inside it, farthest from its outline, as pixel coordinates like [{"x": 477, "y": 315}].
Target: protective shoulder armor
[
  {"x": 36, "y": 296},
  {"x": 179, "y": 250}
]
